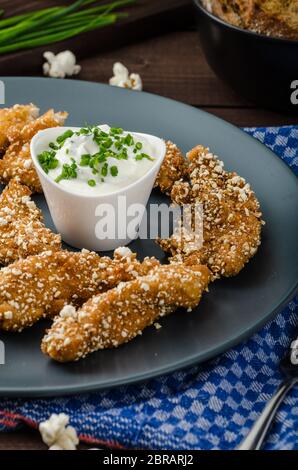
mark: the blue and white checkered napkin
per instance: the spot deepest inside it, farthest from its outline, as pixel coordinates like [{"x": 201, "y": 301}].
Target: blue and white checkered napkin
[{"x": 207, "y": 407}]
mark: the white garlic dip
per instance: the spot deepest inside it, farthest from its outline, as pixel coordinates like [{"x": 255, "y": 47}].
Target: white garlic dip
[{"x": 97, "y": 160}]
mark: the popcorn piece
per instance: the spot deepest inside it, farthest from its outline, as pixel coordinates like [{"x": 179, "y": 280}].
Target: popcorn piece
[
  {"x": 123, "y": 79},
  {"x": 61, "y": 65},
  {"x": 57, "y": 434}
]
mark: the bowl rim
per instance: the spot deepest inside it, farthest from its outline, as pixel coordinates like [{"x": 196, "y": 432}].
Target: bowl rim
[{"x": 248, "y": 32}]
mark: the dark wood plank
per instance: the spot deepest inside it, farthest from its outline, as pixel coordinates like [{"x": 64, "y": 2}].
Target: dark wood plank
[
  {"x": 171, "y": 65},
  {"x": 27, "y": 439},
  {"x": 174, "y": 65},
  {"x": 145, "y": 18}
]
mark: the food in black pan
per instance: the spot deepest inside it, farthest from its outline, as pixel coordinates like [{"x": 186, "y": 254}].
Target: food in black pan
[{"x": 276, "y": 18}]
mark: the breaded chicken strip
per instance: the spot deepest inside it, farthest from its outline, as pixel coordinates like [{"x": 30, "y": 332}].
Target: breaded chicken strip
[
  {"x": 12, "y": 120},
  {"x": 17, "y": 161},
  {"x": 231, "y": 216},
  {"x": 22, "y": 230},
  {"x": 172, "y": 169},
  {"x": 39, "y": 286},
  {"x": 119, "y": 315}
]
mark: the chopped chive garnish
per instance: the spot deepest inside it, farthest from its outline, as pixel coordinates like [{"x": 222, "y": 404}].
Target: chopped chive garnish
[
  {"x": 85, "y": 159},
  {"x": 104, "y": 170},
  {"x": 114, "y": 170},
  {"x": 68, "y": 172},
  {"x": 48, "y": 160},
  {"x": 53, "y": 146},
  {"x": 128, "y": 140},
  {"x": 116, "y": 130},
  {"x": 112, "y": 144},
  {"x": 123, "y": 156},
  {"x": 118, "y": 145},
  {"x": 62, "y": 138},
  {"x": 107, "y": 143},
  {"x": 141, "y": 156}
]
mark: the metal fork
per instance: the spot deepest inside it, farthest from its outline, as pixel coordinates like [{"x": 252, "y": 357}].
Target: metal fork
[{"x": 289, "y": 368}]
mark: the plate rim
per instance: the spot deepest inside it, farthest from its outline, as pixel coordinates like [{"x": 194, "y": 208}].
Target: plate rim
[{"x": 195, "y": 360}]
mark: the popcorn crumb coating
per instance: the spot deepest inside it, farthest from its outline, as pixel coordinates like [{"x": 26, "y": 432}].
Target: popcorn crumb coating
[
  {"x": 172, "y": 169},
  {"x": 232, "y": 218},
  {"x": 40, "y": 286},
  {"x": 12, "y": 120},
  {"x": 22, "y": 231},
  {"x": 17, "y": 161},
  {"x": 119, "y": 315}
]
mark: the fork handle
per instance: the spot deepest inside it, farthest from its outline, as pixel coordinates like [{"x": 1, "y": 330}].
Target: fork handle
[{"x": 257, "y": 434}]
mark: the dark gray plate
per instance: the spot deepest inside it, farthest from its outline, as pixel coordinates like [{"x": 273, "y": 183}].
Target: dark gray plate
[{"x": 232, "y": 310}]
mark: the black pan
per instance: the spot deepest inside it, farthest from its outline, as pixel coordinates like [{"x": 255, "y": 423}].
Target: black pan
[{"x": 262, "y": 69}]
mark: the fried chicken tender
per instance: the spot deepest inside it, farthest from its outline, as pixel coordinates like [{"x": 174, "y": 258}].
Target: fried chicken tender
[
  {"x": 172, "y": 169},
  {"x": 119, "y": 315},
  {"x": 22, "y": 230},
  {"x": 39, "y": 286},
  {"x": 12, "y": 120},
  {"x": 231, "y": 216},
  {"x": 17, "y": 161}
]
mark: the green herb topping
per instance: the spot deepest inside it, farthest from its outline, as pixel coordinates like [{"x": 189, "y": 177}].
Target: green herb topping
[
  {"x": 114, "y": 170},
  {"x": 68, "y": 172},
  {"x": 62, "y": 138},
  {"x": 141, "y": 156},
  {"x": 113, "y": 144},
  {"x": 48, "y": 161}
]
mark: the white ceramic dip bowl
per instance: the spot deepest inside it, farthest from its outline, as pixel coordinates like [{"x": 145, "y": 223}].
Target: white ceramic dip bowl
[{"x": 87, "y": 220}]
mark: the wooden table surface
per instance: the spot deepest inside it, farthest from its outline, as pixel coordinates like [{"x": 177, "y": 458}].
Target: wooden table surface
[{"x": 171, "y": 65}]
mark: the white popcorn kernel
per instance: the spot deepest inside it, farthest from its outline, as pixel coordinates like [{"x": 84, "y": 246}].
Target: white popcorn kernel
[
  {"x": 57, "y": 434},
  {"x": 61, "y": 65},
  {"x": 123, "y": 79}
]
